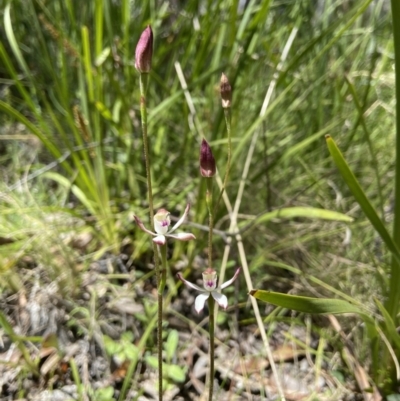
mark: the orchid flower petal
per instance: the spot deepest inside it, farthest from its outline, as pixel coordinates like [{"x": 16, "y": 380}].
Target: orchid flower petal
[
  {"x": 182, "y": 219},
  {"x": 162, "y": 221},
  {"x": 189, "y": 284},
  {"x": 142, "y": 227},
  {"x": 160, "y": 240},
  {"x": 220, "y": 298},
  {"x": 200, "y": 301},
  {"x": 210, "y": 279},
  {"x": 182, "y": 236},
  {"x": 229, "y": 282}
]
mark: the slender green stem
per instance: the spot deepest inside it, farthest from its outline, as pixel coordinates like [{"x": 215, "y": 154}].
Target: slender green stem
[
  {"x": 161, "y": 287},
  {"x": 144, "y": 80},
  {"x": 163, "y": 252},
  {"x": 211, "y": 307},
  {"x": 210, "y": 218},
  {"x": 211, "y": 303},
  {"x": 227, "y": 112},
  {"x": 394, "y": 292}
]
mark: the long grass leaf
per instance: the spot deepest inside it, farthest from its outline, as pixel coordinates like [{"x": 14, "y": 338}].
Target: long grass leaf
[
  {"x": 305, "y": 212},
  {"x": 5, "y": 107},
  {"x": 360, "y": 196}
]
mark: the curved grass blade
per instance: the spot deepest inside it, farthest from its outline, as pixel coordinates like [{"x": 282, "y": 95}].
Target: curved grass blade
[
  {"x": 306, "y": 304},
  {"x": 307, "y": 212},
  {"x": 391, "y": 329},
  {"x": 316, "y": 306},
  {"x": 360, "y": 196}
]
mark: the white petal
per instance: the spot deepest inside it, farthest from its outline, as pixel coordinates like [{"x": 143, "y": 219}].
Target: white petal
[
  {"x": 159, "y": 240},
  {"x": 142, "y": 227},
  {"x": 182, "y": 219},
  {"x": 220, "y": 298},
  {"x": 229, "y": 282},
  {"x": 189, "y": 284},
  {"x": 182, "y": 236},
  {"x": 161, "y": 225},
  {"x": 200, "y": 301}
]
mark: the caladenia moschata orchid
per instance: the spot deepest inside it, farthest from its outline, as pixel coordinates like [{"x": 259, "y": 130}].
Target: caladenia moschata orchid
[
  {"x": 210, "y": 288},
  {"x": 162, "y": 222},
  {"x": 162, "y": 231}
]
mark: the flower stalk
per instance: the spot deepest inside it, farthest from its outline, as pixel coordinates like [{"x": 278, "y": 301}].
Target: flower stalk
[
  {"x": 212, "y": 293},
  {"x": 143, "y": 58},
  {"x": 226, "y": 100},
  {"x": 211, "y": 328},
  {"x": 208, "y": 169}
]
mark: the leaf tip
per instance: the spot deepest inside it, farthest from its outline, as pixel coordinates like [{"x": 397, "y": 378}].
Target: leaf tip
[{"x": 252, "y": 292}]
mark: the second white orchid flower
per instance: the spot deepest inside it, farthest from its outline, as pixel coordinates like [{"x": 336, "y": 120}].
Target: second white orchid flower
[
  {"x": 162, "y": 222},
  {"x": 210, "y": 288}
]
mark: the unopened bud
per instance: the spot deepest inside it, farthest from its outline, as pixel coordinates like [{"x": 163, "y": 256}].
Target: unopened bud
[
  {"x": 144, "y": 51},
  {"x": 207, "y": 161},
  {"x": 226, "y": 92}
]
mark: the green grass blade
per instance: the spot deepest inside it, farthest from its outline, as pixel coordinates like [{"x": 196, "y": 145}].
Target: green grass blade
[
  {"x": 19, "y": 117},
  {"x": 391, "y": 329},
  {"x": 13, "y": 41},
  {"x": 20, "y": 345},
  {"x": 306, "y": 212},
  {"x": 360, "y": 196},
  {"x": 368, "y": 140},
  {"x": 87, "y": 62},
  {"x": 316, "y": 306},
  {"x": 307, "y": 304},
  {"x": 13, "y": 74},
  {"x": 394, "y": 292}
]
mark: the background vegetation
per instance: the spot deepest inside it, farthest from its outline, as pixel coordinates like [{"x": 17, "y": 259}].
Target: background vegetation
[{"x": 72, "y": 173}]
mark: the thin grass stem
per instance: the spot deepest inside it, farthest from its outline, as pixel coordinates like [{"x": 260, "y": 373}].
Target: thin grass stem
[{"x": 394, "y": 291}]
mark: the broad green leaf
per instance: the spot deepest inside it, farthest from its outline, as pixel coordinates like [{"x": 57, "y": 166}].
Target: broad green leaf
[
  {"x": 360, "y": 196},
  {"x": 151, "y": 361},
  {"x": 104, "y": 394},
  {"x": 111, "y": 346},
  {"x": 131, "y": 351},
  {"x": 307, "y": 212},
  {"x": 171, "y": 344},
  {"x": 317, "y": 306},
  {"x": 175, "y": 373},
  {"x": 306, "y": 304}
]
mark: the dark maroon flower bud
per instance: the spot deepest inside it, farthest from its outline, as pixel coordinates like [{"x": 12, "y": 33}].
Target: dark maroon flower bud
[
  {"x": 207, "y": 161},
  {"x": 144, "y": 51},
  {"x": 226, "y": 92}
]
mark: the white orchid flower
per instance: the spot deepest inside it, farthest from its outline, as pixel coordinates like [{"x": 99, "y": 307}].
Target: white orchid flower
[
  {"x": 162, "y": 221},
  {"x": 210, "y": 287}
]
